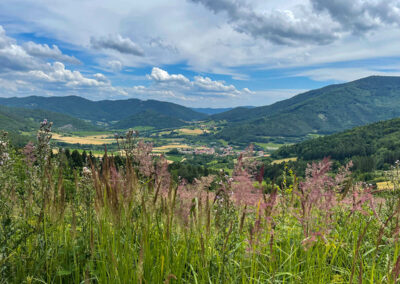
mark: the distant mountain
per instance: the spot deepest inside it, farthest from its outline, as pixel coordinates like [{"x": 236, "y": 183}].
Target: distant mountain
[
  {"x": 323, "y": 111},
  {"x": 149, "y": 118},
  {"x": 372, "y": 146},
  {"x": 211, "y": 111},
  {"x": 20, "y": 119},
  {"x": 103, "y": 111}
]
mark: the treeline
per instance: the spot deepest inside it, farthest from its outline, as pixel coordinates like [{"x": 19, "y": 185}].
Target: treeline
[
  {"x": 76, "y": 160},
  {"x": 371, "y": 147}
]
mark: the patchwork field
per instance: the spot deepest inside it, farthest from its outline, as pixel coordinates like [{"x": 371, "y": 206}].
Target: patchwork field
[
  {"x": 196, "y": 131},
  {"x": 284, "y": 160},
  {"x": 86, "y": 140},
  {"x": 168, "y": 147},
  {"x": 385, "y": 185}
]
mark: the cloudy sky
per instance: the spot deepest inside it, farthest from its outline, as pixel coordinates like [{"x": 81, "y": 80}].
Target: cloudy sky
[{"x": 199, "y": 53}]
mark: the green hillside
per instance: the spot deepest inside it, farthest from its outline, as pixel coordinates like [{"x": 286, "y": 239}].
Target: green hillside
[
  {"x": 323, "y": 111},
  {"x": 103, "y": 111},
  {"x": 20, "y": 119},
  {"x": 376, "y": 145},
  {"x": 149, "y": 118}
]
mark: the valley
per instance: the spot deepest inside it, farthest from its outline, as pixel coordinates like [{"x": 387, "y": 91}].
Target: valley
[
  {"x": 200, "y": 141},
  {"x": 256, "y": 151}
]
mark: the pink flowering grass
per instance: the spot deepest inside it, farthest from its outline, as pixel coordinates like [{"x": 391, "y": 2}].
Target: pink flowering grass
[{"x": 134, "y": 224}]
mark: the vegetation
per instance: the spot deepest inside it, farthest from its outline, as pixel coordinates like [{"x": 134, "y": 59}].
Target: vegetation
[
  {"x": 323, "y": 111},
  {"x": 103, "y": 111},
  {"x": 127, "y": 221},
  {"x": 371, "y": 147},
  {"x": 150, "y": 118},
  {"x": 22, "y": 119}
]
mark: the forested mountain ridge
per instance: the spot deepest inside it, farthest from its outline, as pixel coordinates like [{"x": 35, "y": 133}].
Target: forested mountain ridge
[
  {"x": 21, "y": 119},
  {"x": 323, "y": 111},
  {"x": 375, "y": 145},
  {"x": 104, "y": 111}
]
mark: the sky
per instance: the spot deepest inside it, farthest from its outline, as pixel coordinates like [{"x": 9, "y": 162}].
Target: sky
[{"x": 197, "y": 53}]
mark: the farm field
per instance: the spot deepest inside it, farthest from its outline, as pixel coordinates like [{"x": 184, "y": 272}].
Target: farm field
[
  {"x": 280, "y": 161},
  {"x": 196, "y": 131},
  {"x": 98, "y": 139}
]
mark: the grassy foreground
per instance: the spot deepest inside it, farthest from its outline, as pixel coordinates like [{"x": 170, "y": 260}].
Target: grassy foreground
[{"x": 101, "y": 224}]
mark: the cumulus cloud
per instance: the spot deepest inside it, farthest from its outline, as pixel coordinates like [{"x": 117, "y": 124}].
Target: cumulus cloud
[
  {"x": 118, "y": 43},
  {"x": 360, "y": 16},
  {"x": 309, "y": 23},
  {"x": 160, "y": 75},
  {"x": 45, "y": 51},
  {"x": 278, "y": 26},
  {"x": 12, "y": 56},
  {"x": 200, "y": 86},
  {"x": 57, "y": 73},
  {"x": 24, "y": 71}
]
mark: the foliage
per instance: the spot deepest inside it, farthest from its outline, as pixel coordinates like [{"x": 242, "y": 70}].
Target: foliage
[
  {"x": 323, "y": 111},
  {"x": 133, "y": 224},
  {"x": 102, "y": 111},
  {"x": 375, "y": 146},
  {"x": 149, "y": 118},
  {"x": 22, "y": 119}
]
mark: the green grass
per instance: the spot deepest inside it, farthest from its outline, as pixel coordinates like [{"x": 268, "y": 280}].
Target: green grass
[
  {"x": 174, "y": 158},
  {"x": 269, "y": 146},
  {"x": 63, "y": 225}
]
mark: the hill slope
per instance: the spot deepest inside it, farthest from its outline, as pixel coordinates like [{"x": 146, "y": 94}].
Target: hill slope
[
  {"x": 20, "y": 119},
  {"x": 377, "y": 143},
  {"x": 323, "y": 111},
  {"x": 103, "y": 111},
  {"x": 149, "y": 118}
]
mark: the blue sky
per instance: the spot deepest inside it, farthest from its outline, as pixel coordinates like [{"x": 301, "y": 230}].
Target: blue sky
[{"x": 198, "y": 53}]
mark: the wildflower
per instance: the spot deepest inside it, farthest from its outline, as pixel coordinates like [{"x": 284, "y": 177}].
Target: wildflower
[
  {"x": 86, "y": 172},
  {"x": 163, "y": 177},
  {"x": 317, "y": 199},
  {"x": 29, "y": 152},
  {"x": 144, "y": 159}
]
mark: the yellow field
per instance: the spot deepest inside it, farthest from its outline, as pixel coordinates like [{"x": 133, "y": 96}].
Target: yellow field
[
  {"x": 87, "y": 140},
  {"x": 284, "y": 160},
  {"x": 168, "y": 147},
  {"x": 188, "y": 131},
  {"x": 385, "y": 185}
]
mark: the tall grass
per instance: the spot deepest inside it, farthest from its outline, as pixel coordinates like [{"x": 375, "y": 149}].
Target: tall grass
[{"x": 134, "y": 225}]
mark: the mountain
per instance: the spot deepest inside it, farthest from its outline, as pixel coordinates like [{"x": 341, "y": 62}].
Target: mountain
[
  {"x": 20, "y": 119},
  {"x": 375, "y": 145},
  {"x": 212, "y": 111},
  {"x": 149, "y": 118},
  {"x": 323, "y": 111},
  {"x": 105, "y": 111}
]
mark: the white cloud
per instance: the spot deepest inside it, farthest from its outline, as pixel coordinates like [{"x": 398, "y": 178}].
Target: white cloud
[
  {"x": 344, "y": 74},
  {"x": 235, "y": 35},
  {"x": 44, "y": 51},
  {"x": 56, "y": 73},
  {"x": 200, "y": 86},
  {"x": 160, "y": 75},
  {"x": 12, "y": 56},
  {"x": 118, "y": 43}
]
